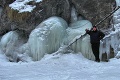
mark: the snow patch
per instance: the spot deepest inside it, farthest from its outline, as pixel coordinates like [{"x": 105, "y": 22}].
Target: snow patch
[{"x": 22, "y": 5}]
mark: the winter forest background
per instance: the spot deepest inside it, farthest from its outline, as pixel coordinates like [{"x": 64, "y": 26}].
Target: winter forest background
[{"x": 34, "y": 35}]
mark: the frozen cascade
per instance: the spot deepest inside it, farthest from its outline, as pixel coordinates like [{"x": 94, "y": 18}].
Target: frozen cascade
[
  {"x": 82, "y": 45},
  {"x": 74, "y": 17},
  {"x": 47, "y": 37},
  {"x": 112, "y": 40},
  {"x": 10, "y": 46},
  {"x": 8, "y": 42}
]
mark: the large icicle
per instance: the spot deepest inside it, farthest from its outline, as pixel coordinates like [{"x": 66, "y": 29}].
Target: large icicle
[
  {"x": 47, "y": 37},
  {"x": 73, "y": 15}
]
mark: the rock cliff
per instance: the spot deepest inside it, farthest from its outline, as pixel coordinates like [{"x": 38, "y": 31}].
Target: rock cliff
[{"x": 93, "y": 10}]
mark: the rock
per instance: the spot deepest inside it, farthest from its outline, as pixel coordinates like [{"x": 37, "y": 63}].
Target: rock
[{"x": 93, "y": 10}]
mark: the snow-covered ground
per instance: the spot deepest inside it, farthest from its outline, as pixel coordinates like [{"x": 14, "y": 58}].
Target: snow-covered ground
[{"x": 61, "y": 67}]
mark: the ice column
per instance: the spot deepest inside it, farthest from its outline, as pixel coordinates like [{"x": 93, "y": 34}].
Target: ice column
[
  {"x": 47, "y": 37},
  {"x": 73, "y": 15},
  {"x": 8, "y": 44}
]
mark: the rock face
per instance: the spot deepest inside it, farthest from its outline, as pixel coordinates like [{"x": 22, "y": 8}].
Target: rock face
[{"x": 93, "y": 10}]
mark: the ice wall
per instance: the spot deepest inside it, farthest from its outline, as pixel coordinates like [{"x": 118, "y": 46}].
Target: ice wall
[
  {"x": 82, "y": 45},
  {"x": 7, "y": 44},
  {"x": 10, "y": 46},
  {"x": 112, "y": 40},
  {"x": 47, "y": 37}
]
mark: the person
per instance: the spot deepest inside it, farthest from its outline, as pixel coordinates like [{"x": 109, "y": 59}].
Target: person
[{"x": 95, "y": 37}]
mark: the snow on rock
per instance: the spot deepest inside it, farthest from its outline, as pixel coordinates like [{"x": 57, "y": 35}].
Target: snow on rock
[
  {"x": 47, "y": 37},
  {"x": 38, "y": 1},
  {"x": 22, "y": 6},
  {"x": 77, "y": 29}
]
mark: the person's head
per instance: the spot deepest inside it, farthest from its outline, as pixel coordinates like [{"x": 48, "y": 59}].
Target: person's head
[{"x": 94, "y": 28}]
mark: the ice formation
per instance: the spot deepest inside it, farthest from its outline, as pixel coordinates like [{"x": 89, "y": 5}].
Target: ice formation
[
  {"x": 8, "y": 43},
  {"x": 74, "y": 17},
  {"x": 47, "y": 37},
  {"x": 112, "y": 40},
  {"x": 82, "y": 45},
  {"x": 10, "y": 46}
]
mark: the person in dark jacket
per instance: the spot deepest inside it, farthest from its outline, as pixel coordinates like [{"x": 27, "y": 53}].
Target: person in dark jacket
[{"x": 95, "y": 37}]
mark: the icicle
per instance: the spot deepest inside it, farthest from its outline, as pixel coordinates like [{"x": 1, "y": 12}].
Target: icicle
[{"x": 73, "y": 15}]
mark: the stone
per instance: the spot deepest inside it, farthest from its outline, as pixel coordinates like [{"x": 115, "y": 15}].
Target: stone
[{"x": 93, "y": 10}]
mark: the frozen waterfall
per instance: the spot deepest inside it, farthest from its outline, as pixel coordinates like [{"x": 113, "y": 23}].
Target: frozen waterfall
[
  {"x": 53, "y": 32},
  {"x": 47, "y": 37},
  {"x": 10, "y": 45},
  {"x": 82, "y": 45},
  {"x": 74, "y": 17},
  {"x": 110, "y": 44}
]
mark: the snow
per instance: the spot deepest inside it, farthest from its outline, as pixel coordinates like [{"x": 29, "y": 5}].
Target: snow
[
  {"x": 61, "y": 67},
  {"x": 22, "y": 6},
  {"x": 38, "y": 1}
]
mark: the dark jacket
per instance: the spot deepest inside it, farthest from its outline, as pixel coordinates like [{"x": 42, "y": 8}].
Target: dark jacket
[{"x": 95, "y": 36}]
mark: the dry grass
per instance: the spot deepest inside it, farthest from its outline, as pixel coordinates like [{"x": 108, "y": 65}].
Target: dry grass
[{"x": 13, "y": 15}]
